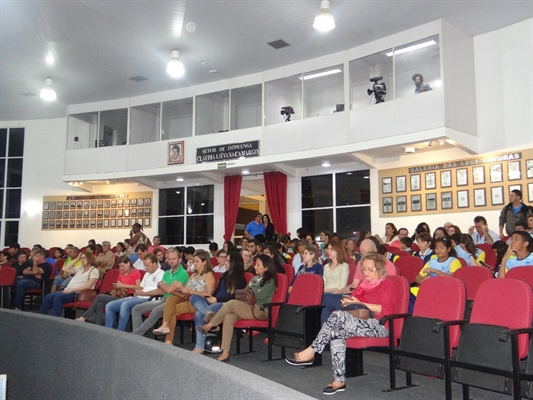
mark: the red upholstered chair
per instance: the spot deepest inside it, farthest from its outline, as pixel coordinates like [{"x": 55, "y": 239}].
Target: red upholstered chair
[
  {"x": 299, "y": 319},
  {"x": 7, "y": 280},
  {"x": 472, "y": 277},
  {"x": 440, "y": 300},
  {"x": 258, "y": 325},
  {"x": 490, "y": 258},
  {"x": 353, "y": 270},
  {"x": 289, "y": 272},
  {"x": 356, "y": 345},
  {"x": 486, "y": 358},
  {"x": 402, "y": 253},
  {"x": 248, "y": 276},
  {"x": 524, "y": 274},
  {"x": 410, "y": 267},
  {"x": 45, "y": 286},
  {"x": 415, "y": 247},
  {"x": 463, "y": 262}
]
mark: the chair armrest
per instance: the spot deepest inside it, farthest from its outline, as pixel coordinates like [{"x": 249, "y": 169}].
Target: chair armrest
[
  {"x": 439, "y": 325},
  {"x": 507, "y": 333},
  {"x": 270, "y": 305},
  {"x": 153, "y": 297},
  {"x": 303, "y": 308},
  {"x": 391, "y": 317}
]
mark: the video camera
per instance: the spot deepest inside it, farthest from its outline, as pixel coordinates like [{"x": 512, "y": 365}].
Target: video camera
[
  {"x": 287, "y": 111},
  {"x": 379, "y": 89}
]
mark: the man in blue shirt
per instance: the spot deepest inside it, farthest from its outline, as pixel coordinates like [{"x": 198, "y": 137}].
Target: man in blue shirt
[
  {"x": 255, "y": 227},
  {"x": 519, "y": 253}
]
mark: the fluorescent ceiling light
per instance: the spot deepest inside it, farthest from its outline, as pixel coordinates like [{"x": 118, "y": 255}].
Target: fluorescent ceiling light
[
  {"x": 326, "y": 164},
  {"x": 179, "y": 179},
  {"x": 320, "y": 74},
  {"x": 324, "y": 21},
  {"x": 245, "y": 171},
  {"x": 411, "y": 48},
  {"x": 48, "y": 93},
  {"x": 175, "y": 67}
]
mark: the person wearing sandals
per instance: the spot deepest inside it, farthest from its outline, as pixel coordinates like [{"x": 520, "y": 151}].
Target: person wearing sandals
[
  {"x": 128, "y": 280},
  {"x": 263, "y": 284},
  {"x": 201, "y": 283},
  {"x": 230, "y": 281},
  {"x": 377, "y": 294}
]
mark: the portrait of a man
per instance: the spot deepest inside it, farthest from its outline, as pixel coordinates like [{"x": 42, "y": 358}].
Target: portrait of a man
[{"x": 175, "y": 153}]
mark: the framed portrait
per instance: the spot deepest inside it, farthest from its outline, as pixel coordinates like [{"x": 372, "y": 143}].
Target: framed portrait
[
  {"x": 78, "y": 214},
  {"x": 99, "y": 223},
  {"x": 78, "y": 224},
  {"x": 148, "y": 202},
  {"x": 52, "y": 205},
  {"x": 530, "y": 192},
  {"x": 113, "y": 213},
  {"x": 120, "y": 213},
  {"x": 529, "y": 169},
  {"x": 100, "y": 203},
  {"x": 85, "y": 224},
  {"x": 401, "y": 204},
  {"x": 113, "y": 203},
  {"x": 79, "y": 204},
  {"x": 496, "y": 173},
  {"x": 107, "y": 204},
  {"x": 147, "y": 212},
  {"x": 133, "y": 221},
  {"x": 58, "y": 224},
  {"x": 478, "y": 174},
  {"x": 430, "y": 180},
  {"x": 479, "y": 198},
  {"x": 52, "y": 215},
  {"x": 126, "y": 222},
  {"x": 93, "y": 213},
  {"x": 496, "y": 195},
  {"x": 126, "y": 212},
  {"x": 65, "y": 224},
  {"x": 446, "y": 200},
  {"x": 52, "y": 225},
  {"x": 100, "y": 213},
  {"x": 513, "y": 170},
  {"x": 93, "y": 204},
  {"x": 431, "y": 201},
  {"x": 59, "y": 214},
  {"x": 134, "y": 202},
  {"x": 106, "y": 223},
  {"x": 72, "y": 204},
  {"x": 72, "y": 214},
  {"x": 146, "y": 222},
  {"x": 140, "y": 202},
  {"x": 175, "y": 152},
  {"x": 45, "y": 224},
  {"x": 386, "y": 185},
  {"x": 45, "y": 214},
  {"x": 416, "y": 202},
  {"x": 65, "y": 214},
  {"x": 71, "y": 224},
  {"x": 133, "y": 212},
  {"x": 120, "y": 203},
  {"x": 85, "y": 204},
  {"x": 140, "y": 212},
  {"x": 387, "y": 205},
  {"x": 93, "y": 224},
  {"x": 400, "y": 184},
  {"x": 114, "y": 223},
  {"x": 46, "y": 205},
  {"x": 119, "y": 223},
  {"x": 511, "y": 188},
  {"x": 59, "y": 205},
  {"x": 462, "y": 199},
  {"x": 106, "y": 213},
  {"x": 415, "y": 182},
  {"x": 446, "y": 179},
  {"x": 126, "y": 202},
  {"x": 66, "y": 204}
]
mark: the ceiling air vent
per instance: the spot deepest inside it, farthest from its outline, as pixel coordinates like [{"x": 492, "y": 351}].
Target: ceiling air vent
[
  {"x": 278, "y": 44},
  {"x": 138, "y": 79}
]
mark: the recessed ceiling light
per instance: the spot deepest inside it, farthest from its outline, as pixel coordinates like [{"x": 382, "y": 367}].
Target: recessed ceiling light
[
  {"x": 179, "y": 179},
  {"x": 326, "y": 164},
  {"x": 366, "y": 177},
  {"x": 245, "y": 171},
  {"x": 178, "y": 191},
  {"x": 409, "y": 150}
]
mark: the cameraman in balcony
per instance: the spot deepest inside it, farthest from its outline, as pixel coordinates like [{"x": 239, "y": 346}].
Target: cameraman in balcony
[{"x": 420, "y": 86}]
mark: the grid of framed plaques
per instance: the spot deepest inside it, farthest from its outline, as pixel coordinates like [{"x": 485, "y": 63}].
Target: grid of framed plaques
[
  {"x": 459, "y": 185},
  {"x": 109, "y": 211}
]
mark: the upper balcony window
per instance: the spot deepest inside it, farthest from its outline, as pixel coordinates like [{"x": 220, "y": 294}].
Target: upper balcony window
[
  {"x": 212, "y": 112},
  {"x": 323, "y": 91},
  {"x": 145, "y": 123},
  {"x": 177, "y": 119},
  {"x": 82, "y": 131},
  {"x": 371, "y": 67},
  {"x": 246, "y": 110},
  {"x": 420, "y": 58},
  {"x": 281, "y": 93},
  {"x": 113, "y": 128}
]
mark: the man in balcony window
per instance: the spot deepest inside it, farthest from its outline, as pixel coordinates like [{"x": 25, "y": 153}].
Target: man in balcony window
[{"x": 420, "y": 86}]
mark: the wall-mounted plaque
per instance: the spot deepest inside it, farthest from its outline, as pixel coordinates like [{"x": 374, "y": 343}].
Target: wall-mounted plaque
[
  {"x": 446, "y": 179},
  {"x": 479, "y": 198},
  {"x": 430, "y": 180},
  {"x": 431, "y": 201},
  {"x": 496, "y": 194},
  {"x": 416, "y": 202},
  {"x": 401, "y": 203},
  {"x": 386, "y": 185},
  {"x": 446, "y": 200},
  {"x": 496, "y": 173},
  {"x": 462, "y": 199}
]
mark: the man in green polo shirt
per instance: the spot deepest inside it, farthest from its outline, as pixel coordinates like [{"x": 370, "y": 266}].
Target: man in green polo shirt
[{"x": 176, "y": 273}]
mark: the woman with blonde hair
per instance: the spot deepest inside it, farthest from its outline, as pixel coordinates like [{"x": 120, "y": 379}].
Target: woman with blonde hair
[{"x": 248, "y": 261}]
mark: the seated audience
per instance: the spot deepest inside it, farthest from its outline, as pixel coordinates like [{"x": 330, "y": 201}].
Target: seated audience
[
  {"x": 499, "y": 248},
  {"x": 481, "y": 233},
  {"x": 445, "y": 264},
  {"x": 405, "y": 244},
  {"x": 161, "y": 259},
  {"x": 156, "y": 244},
  {"x": 402, "y": 232},
  {"x": 519, "y": 253},
  {"x": 297, "y": 259},
  {"x": 222, "y": 257},
  {"x": 4, "y": 258},
  {"x": 128, "y": 280},
  {"x": 264, "y": 286},
  {"x": 440, "y": 232},
  {"x": 58, "y": 254},
  {"x": 13, "y": 251},
  {"x": 453, "y": 229},
  {"x": 38, "y": 270},
  {"x": 311, "y": 264},
  {"x": 424, "y": 243},
  {"x": 467, "y": 250},
  {"x": 85, "y": 277},
  {"x": 244, "y": 243},
  {"x": 106, "y": 259},
  {"x": 391, "y": 234},
  {"x": 141, "y": 251},
  {"x": 121, "y": 249},
  {"x": 206, "y": 307},
  {"x": 229, "y": 247},
  {"x": 350, "y": 250},
  {"x": 63, "y": 278},
  {"x": 271, "y": 251},
  {"x": 248, "y": 261}
]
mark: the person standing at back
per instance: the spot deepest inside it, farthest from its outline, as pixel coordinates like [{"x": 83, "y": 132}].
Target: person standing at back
[
  {"x": 255, "y": 227},
  {"x": 514, "y": 212}
]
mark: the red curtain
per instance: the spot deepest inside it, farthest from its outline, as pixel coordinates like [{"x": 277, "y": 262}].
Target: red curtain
[
  {"x": 276, "y": 194},
  {"x": 232, "y": 194}
]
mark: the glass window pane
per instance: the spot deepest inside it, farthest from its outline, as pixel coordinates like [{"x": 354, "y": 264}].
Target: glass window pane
[
  {"x": 366, "y": 68},
  {"x": 113, "y": 128},
  {"x": 352, "y": 188},
  {"x": 144, "y": 123},
  {"x": 177, "y": 119},
  {"x": 317, "y": 191},
  {"x": 323, "y": 91},
  {"x": 420, "y": 57},
  {"x": 212, "y": 112},
  {"x": 246, "y": 110},
  {"x": 12, "y": 233},
  {"x": 200, "y": 199},
  {"x": 82, "y": 131},
  {"x": 3, "y": 142},
  {"x": 171, "y": 202},
  {"x": 13, "y": 203},
  {"x": 350, "y": 219},
  {"x": 16, "y": 142},
  {"x": 280, "y": 93},
  {"x": 199, "y": 229},
  {"x": 1, "y": 203},
  {"x": 171, "y": 230},
  {"x": 315, "y": 221},
  {"x": 14, "y": 172},
  {"x": 2, "y": 172}
]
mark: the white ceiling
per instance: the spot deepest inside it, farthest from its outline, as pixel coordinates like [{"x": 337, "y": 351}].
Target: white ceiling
[{"x": 91, "y": 47}]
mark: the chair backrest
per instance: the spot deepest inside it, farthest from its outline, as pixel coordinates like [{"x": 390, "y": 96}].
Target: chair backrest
[
  {"x": 401, "y": 286},
  {"x": 472, "y": 278},
  {"x": 442, "y": 298},
  {"x": 462, "y": 261},
  {"x": 248, "y": 276},
  {"x": 289, "y": 272},
  {"x": 279, "y": 296},
  {"x": 351, "y": 275},
  {"x": 410, "y": 267},
  {"x": 398, "y": 270},
  {"x": 7, "y": 275},
  {"x": 505, "y": 302},
  {"x": 524, "y": 274},
  {"x": 110, "y": 277},
  {"x": 490, "y": 258},
  {"x": 217, "y": 277},
  {"x": 402, "y": 253},
  {"x": 392, "y": 249},
  {"x": 307, "y": 290},
  {"x": 59, "y": 264},
  {"x": 415, "y": 247}
]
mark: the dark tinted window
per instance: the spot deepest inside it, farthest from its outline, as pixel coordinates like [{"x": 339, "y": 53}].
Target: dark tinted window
[
  {"x": 317, "y": 191},
  {"x": 315, "y": 221},
  {"x": 1, "y": 203},
  {"x": 14, "y": 172},
  {"x": 171, "y": 230},
  {"x": 171, "y": 201},
  {"x": 350, "y": 219},
  {"x": 200, "y": 200},
  {"x": 12, "y": 203},
  {"x": 16, "y": 142},
  {"x": 3, "y": 142},
  {"x": 199, "y": 229},
  {"x": 353, "y": 188},
  {"x": 12, "y": 232},
  {"x": 2, "y": 171}
]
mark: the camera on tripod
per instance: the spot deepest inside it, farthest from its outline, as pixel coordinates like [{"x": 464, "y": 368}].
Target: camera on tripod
[
  {"x": 286, "y": 112},
  {"x": 379, "y": 89}
]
